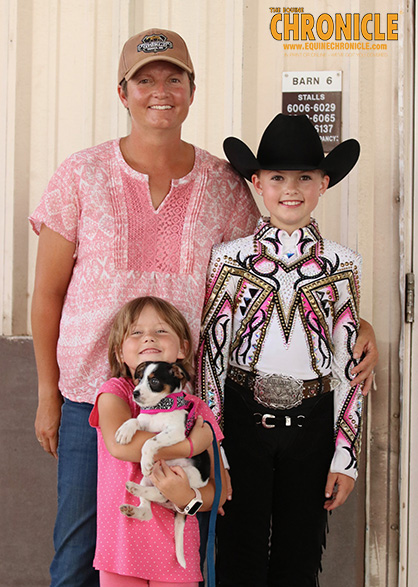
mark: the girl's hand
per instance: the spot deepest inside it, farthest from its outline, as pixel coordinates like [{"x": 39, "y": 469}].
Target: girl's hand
[
  {"x": 365, "y": 345},
  {"x": 201, "y": 436},
  {"x": 173, "y": 483},
  {"x": 337, "y": 489}
]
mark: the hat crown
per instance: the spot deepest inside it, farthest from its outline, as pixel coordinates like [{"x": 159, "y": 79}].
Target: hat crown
[
  {"x": 290, "y": 142},
  {"x": 153, "y": 45}
]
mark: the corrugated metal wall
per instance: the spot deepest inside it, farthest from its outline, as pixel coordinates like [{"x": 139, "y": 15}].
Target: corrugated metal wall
[{"x": 58, "y": 63}]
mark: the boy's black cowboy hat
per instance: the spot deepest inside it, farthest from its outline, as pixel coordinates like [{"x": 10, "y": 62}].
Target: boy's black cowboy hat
[{"x": 291, "y": 142}]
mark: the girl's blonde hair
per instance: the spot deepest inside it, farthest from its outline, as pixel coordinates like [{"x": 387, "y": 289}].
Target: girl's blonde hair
[{"x": 128, "y": 315}]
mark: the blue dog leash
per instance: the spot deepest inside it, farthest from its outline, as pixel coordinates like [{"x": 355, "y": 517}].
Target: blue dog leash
[{"x": 210, "y": 549}]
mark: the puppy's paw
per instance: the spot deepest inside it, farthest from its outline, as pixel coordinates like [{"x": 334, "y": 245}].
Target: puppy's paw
[
  {"x": 139, "y": 513},
  {"x": 147, "y": 459},
  {"x": 133, "y": 488},
  {"x": 127, "y": 510},
  {"x": 125, "y": 433},
  {"x": 147, "y": 464}
]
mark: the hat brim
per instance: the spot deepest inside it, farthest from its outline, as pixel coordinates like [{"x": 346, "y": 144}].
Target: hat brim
[
  {"x": 340, "y": 161},
  {"x": 337, "y": 164},
  {"x": 241, "y": 157},
  {"x": 129, "y": 75}
]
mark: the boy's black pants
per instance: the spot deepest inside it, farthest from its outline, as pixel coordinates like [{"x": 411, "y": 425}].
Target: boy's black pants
[{"x": 274, "y": 528}]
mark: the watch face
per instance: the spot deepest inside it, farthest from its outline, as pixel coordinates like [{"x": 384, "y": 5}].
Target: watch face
[{"x": 194, "y": 507}]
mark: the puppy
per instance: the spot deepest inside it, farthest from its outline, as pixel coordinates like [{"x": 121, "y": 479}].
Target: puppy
[{"x": 163, "y": 410}]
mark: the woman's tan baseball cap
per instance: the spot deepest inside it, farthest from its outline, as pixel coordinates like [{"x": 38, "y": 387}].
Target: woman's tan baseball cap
[{"x": 153, "y": 45}]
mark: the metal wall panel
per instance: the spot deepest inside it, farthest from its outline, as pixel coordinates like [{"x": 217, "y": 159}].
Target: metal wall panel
[{"x": 58, "y": 94}]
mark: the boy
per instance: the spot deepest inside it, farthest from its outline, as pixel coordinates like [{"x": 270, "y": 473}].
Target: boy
[{"x": 275, "y": 359}]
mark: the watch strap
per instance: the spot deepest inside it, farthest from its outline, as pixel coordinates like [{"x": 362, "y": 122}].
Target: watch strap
[{"x": 193, "y": 506}]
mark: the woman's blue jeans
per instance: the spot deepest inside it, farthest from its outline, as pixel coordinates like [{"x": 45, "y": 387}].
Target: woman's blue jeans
[{"x": 75, "y": 525}]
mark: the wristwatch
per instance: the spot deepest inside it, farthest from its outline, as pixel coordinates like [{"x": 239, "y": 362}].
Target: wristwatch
[{"x": 193, "y": 506}]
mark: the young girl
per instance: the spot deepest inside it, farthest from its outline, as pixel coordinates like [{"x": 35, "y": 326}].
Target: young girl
[
  {"x": 276, "y": 360},
  {"x": 130, "y": 552}
]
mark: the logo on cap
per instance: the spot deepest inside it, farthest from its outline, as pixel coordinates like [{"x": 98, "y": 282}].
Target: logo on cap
[{"x": 154, "y": 44}]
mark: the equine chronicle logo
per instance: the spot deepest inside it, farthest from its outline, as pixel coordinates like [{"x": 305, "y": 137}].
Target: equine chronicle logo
[{"x": 294, "y": 24}]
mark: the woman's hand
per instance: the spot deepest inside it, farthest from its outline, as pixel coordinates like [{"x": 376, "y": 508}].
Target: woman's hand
[
  {"x": 337, "y": 489},
  {"x": 365, "y": 345},
  {"x": 47, "y": 422},
  {"x": 173, "y": 483}
]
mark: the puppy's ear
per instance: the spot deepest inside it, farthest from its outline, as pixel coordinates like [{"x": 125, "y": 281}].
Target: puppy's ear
[
  {"x": 139, "y": 371},
  {"x": 180, "y": 372}
]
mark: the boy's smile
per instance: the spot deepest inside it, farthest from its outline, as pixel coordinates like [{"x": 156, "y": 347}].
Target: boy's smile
[{"x": 290, "y": 196}]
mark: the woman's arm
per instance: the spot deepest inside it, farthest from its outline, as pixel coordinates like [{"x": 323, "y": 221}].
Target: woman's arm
[
  {"x": 54, "y": 266},
  {"x": 366, "y": 344}
]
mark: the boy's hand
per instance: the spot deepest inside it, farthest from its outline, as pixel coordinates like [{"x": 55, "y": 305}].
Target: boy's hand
[
  {"x": 337, "y": 489},
  {"x": 201, "y": 436},
  {"x": 221, "y": 510},
  {"x": 365, "y": 345}
]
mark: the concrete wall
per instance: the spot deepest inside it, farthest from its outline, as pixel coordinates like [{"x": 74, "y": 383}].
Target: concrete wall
[{"x": 28, "y": 486}]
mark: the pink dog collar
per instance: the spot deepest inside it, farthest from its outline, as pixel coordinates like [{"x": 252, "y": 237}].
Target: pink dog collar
[{"x": 175, "y": 401}]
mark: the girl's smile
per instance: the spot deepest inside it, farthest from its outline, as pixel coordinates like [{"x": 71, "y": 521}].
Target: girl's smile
[
  {"x": 290, "y": 196},
  {"x": 150, "y": 338}
]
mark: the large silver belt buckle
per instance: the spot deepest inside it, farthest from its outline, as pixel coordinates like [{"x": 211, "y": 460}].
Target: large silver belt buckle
[{"x": 280, "y": 392}]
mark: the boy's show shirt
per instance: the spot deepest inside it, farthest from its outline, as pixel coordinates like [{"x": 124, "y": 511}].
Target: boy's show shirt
[{"x": 288, "y": 305}]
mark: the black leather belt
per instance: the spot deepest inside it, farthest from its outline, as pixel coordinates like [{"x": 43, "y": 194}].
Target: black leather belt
[
  {"x": 273, "y": 420},
  {"x": 280, "y": 391}
]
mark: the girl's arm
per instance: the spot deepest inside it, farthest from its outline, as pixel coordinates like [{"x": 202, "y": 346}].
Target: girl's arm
[
  {"x": 348, "y": 399},
  {"x": 201, "y": 439},
  {"x": 216, "y": 334},
  {"x": 54, "y": 266},
  {"x": 174, "y": 484},
  {"x": 114, "y": 411}
]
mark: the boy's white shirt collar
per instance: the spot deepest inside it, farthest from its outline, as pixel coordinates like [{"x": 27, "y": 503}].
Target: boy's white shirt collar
[{"x": 288, "y": 244}]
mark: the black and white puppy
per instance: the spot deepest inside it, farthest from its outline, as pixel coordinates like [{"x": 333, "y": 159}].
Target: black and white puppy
[{"x": 164, "y": 411}]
